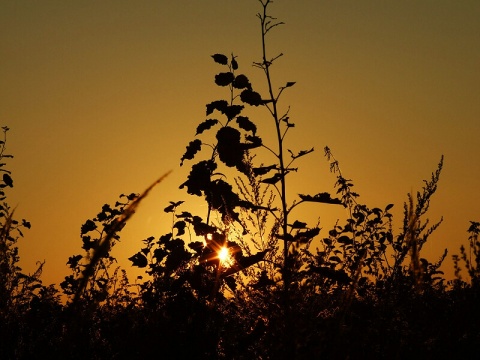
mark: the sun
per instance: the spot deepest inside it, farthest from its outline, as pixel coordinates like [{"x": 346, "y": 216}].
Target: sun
[{"x": 224, "y": 256}]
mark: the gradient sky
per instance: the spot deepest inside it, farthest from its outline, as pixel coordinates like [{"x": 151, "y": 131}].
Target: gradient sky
[{"x": 103, "y": 96}]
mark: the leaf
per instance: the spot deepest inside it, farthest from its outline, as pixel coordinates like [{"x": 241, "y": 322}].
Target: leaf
[
  {"x": 192, "y": 148},
  {"x": 232, "y": 111},
  {"x": 201, "y": 228},
  {"x": 180, "y": 226},
  {"x": 222, "y": 198},
  {"x": 245, "y": 124},
  {"x": 321, "y": 198},
  {"x": 327, "y": 241},
  {"x": 288, "y": 237},
  {"x": 290, "y": 84},
  {"x": 220, "y": 58},
  {"x": 219, "y": 105},
  {"x": 388, "y": 207},
  {"x": 199, "y": 177},
  {"x": 170, "y": 208},
  {"x": 345, "y": 240},
  {"x": 298, "y": 225},
  {"x": 88, "y": 243},
  {"x": 229, "y": 149},
  {"x": 242, "y": 82},
  {"x": 177, "y": 257},
  {"x": 234, "y": 63},
  {"x": 339, "y": 276},
  {"x": 273, "y": 180},
  {"x": 139, "y": 260},
  {"x": 173, "y": 205},
  {"x": 244, "y": 262},
  {"x": 251, "y": 97},
  {"x": 255, "y": 141},
  {"x": 301, "y": 153},
  {"x": 231, "y": 283},
  {"x": 252, "y": 259},
  {"x": 87, "y": 227},
  {"x": 224, "y": 79},
  {"x": 207, "y": 124},
  {"x": 196, "y": 246},
  {"x": 26, "y": 224},
  {"x": 307, "y": 235},
  {"x": 334, "y": 258},
  {"x": 184, "y": 214},
  {"x": 73, "y": 261},
  {"x": 7, "y": 180},
  {"x": 263, "y": 170}
]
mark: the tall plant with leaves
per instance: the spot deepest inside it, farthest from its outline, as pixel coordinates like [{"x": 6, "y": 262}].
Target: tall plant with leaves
[
  {"x": 25, "y": 303},
  {"x": 235, "y": 139},
  {"x": 469, "y": 256},
  {"x": 16, "y": 288}
]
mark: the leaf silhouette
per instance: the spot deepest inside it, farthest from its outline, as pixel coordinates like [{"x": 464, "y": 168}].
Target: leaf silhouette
[
  {"x": 300, "y": 153},
  {"x": 321, "y": 198},
  {"x": 73, "y": 261},
  {"x": 298, "y": 225},
  {"x": 288, "y": 237},
  {"x": 172, "y": 206},
  {"x": 345, "y": 240},
  {"x": 244, "y": 262},
  {"x": 184, "y": 214},
  {"x": 232, "y": 111},
  {"x": 229, "y": 149},
  {"x": 255, "y": 141},
  {"x": 339, "y": 276},
  {"x": 307, "y": 235},
  {"x": 290, "y": 84},
  {"x": 199, "y": 177},
  {"x": 263, "y": 170},
  {"x": 26, "y": 224},
  {"x": 220, "y": 105},
  {"x": 87, "y": 227},
  {"x": 251, "y": 97},
  {"x": 273, "y": 180},
  {"x": 196, "y": 246},
  {"x": 192, "y": 148},
  {"x": 207, "y": 124},
  {"x": 220, "y": 58},
  {"x": 222, "y": 198},
  {"x": 139, "y": 260},
  {"x": 224, "y": 79},
  {"x": 7, "y": 180},
  {"x": 245, "y": 124},
  {"x": 234, "y": 63},
  {"x": 241, "y": 82},
  {"x": 180, "y": 226}
]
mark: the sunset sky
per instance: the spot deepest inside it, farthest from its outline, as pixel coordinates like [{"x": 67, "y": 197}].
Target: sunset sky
[{"x": 103, "y": 96}]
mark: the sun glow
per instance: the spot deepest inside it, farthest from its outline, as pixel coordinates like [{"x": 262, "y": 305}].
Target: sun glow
[{"x": 224, "y": 256}]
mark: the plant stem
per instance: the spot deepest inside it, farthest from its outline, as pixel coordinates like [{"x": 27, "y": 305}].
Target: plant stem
[{"x": 266, "y": 26}]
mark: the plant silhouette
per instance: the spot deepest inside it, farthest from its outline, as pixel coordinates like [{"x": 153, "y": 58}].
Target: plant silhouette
[{"x": 246, "y": 279}]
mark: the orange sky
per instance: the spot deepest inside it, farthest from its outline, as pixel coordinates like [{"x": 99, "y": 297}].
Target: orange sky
[{"x": 103, "y": 97}]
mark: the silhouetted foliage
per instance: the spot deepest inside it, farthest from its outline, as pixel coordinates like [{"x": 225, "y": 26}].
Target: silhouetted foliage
[{"x": 245, "y": 279}]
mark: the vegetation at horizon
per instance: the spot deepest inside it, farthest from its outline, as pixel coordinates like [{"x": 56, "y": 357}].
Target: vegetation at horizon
[{"x": 247, "y": 279}]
